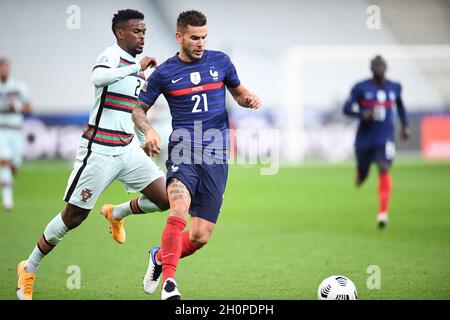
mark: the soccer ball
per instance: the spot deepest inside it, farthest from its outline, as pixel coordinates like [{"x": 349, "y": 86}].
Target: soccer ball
[{"x": 337, "y": 288}]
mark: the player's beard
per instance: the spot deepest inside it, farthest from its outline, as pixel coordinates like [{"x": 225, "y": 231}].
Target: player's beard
[
  {"x": 137, "y": 50},
  {"x": 190, "y": 53}
]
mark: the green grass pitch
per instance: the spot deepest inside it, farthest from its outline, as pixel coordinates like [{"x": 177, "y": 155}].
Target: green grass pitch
[{"x": 277, "y": 237}]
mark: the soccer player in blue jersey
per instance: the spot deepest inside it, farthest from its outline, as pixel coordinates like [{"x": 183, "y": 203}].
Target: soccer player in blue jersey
[
  {"x": 193, "y": 82},
  {"x": 372, "y": 102}
]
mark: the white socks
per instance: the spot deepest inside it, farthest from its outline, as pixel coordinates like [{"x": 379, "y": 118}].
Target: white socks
[
  {"x": 136, "y": 206},
  {"x": 6, "y": 186},
  {"x": 53, "y": 234}
]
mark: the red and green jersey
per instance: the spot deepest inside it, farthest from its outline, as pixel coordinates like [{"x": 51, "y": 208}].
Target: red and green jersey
[{"x": 110, "y": 126}]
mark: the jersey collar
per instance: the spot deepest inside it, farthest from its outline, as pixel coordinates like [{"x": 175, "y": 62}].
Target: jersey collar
[
  {"x": 123, "y": 53},
  {"x": 177, "y": 58}
]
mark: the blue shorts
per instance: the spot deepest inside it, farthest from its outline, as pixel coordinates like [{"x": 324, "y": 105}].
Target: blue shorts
[
  {"x": 379, "y": 154},
  {"x": 206, "y": 184}
]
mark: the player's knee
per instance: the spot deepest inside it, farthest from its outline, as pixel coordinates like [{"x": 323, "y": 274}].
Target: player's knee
[
  {"x": 383, "y": 167},
  {"x": 200, "y": 237},
  {"x": 73, "y": 216}
]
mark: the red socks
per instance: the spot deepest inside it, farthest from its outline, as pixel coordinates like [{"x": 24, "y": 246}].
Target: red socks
[
  {"x": 384, "y": 191},
  {"x": 171, "y": 244},
  {"x": 188, "y": 247}
]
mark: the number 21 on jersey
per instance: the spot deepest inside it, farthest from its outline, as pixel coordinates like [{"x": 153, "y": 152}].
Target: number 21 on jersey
[{"x": 197, "y": 100}]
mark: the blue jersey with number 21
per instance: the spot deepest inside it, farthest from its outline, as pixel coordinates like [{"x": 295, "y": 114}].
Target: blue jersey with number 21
[{"x": 195, "y": 93}]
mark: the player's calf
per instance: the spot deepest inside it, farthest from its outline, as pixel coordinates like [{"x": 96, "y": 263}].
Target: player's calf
[
  {"x": 384, "y": 194},
  {"x": 53, "y": 234},
  {"x": 154, "y": 197},
  {"x": 200, "y": 230}
]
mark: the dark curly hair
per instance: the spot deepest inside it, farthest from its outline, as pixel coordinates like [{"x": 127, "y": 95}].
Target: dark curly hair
[
  {"x": 123, "y": 16},
  {"x": 192, "y": 18}
]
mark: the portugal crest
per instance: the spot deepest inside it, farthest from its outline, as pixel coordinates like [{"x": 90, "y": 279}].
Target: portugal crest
[
  {"x": 195, "y": 78},
  {"x": 86, "y": 194}
]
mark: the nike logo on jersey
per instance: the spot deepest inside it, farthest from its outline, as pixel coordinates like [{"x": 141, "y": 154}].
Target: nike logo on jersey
[{"x": 176, "y": 80}]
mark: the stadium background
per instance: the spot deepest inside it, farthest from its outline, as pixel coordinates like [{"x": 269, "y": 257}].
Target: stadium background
[{"x": 301, "y": 57}]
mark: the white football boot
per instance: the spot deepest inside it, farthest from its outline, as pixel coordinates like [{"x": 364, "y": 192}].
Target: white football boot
[
  {"x": 169, "y": 290},
  {"x": 382, "y": 219},
  {"x": 153, "y": 274}
]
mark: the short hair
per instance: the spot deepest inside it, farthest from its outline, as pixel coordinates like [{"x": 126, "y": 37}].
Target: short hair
[
  {"x": 4, "y": 61},
  {"x": 123, "y": 16},
  {"x": 190, "y": 18},
  {"x": 377, "y": 58}
]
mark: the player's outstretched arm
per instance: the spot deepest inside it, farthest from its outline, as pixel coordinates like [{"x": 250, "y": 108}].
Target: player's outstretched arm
[
  {"x": 103, "y": 75},
  {"x": 245, "y": 98},
  {"x": 152, "y": 139}
]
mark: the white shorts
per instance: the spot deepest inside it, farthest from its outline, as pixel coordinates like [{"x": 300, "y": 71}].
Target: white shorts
[
  {"x": 11, "y": 142},
  {"x": 93, "y": 173}
]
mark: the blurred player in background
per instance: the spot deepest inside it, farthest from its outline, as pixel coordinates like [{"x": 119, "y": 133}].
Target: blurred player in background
[
  {"x": 14, "y": 102},
  {"x": 193, "y": 83},
  {"x": 107, "y": 150},
  {"x": 372, "y": 101}
]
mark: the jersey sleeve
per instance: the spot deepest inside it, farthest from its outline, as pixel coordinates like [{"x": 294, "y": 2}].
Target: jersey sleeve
[
  {"x": 152, "y": 88},
  {"x": 106, "y": 69},
  {"x": 107, "y": 59},
  {"x": 231, "y": 79},
  {"x": 351, "y": 107},
  {"x": 400, "y": 107}
]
